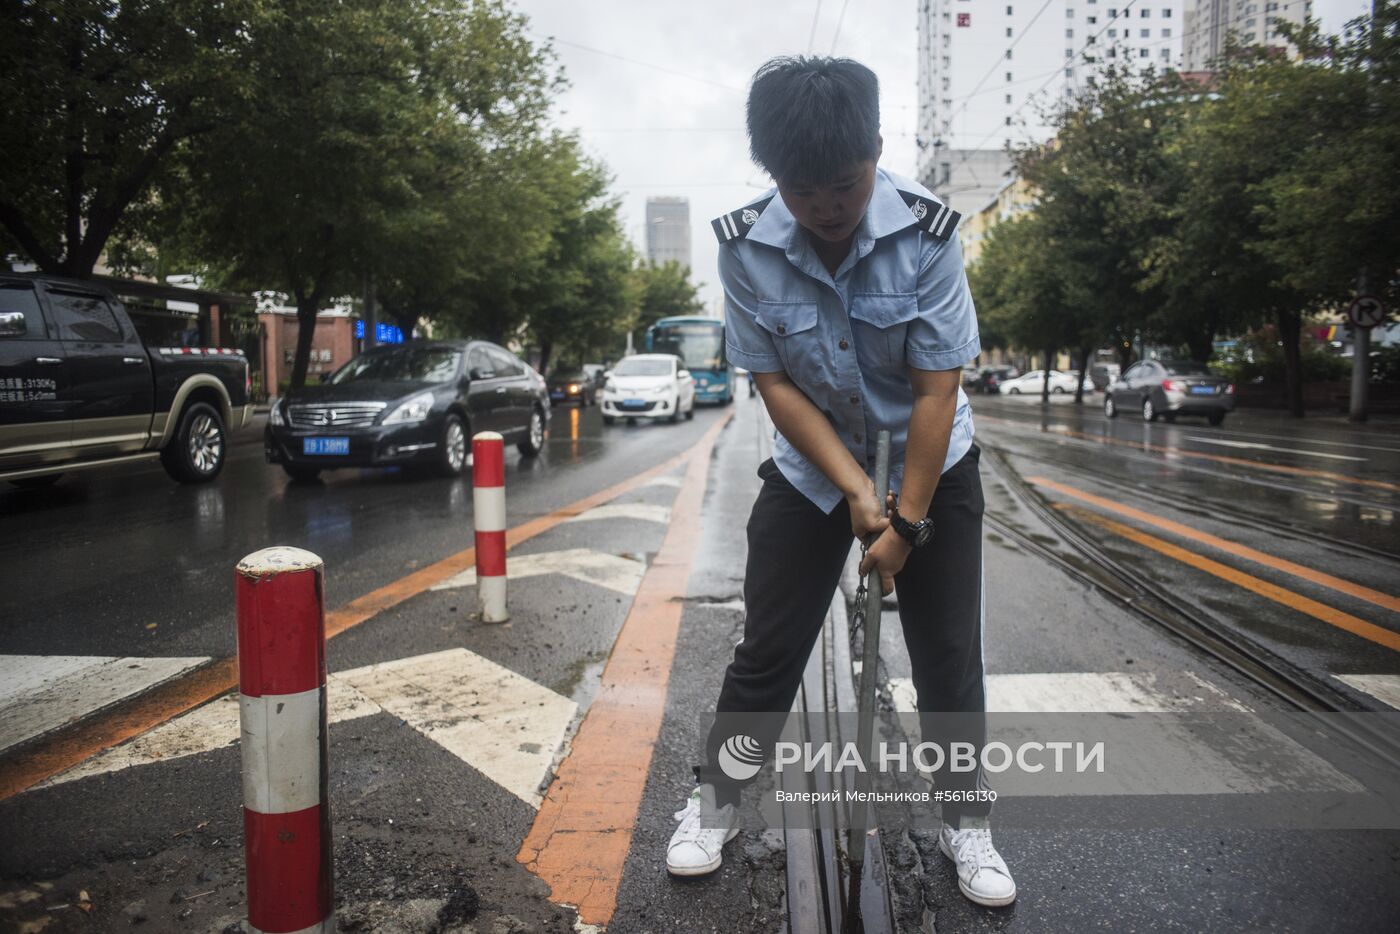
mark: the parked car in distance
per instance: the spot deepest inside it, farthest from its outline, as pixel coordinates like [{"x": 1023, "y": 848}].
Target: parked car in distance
[
  {"x": 572, "y": 385},
  {"x": 1033, "y": 383},
  {"x": 1168, "y": 388},
  {"x": 1103, "y": 375},
  {"x": 417, "y": 403},
  {"x": 597, "y": 374},
  {"x": 989, "y": 378},
  {"x": 80, "y": 389},
  {"x": 649, "y": 385}
]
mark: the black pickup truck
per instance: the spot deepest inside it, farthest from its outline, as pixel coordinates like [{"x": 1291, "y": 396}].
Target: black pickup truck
[{"x": 80, "y": 389}]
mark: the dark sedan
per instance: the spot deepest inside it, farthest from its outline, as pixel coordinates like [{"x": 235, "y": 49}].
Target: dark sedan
[
  {"x": 409, "y": 404},
  {"x": 1168, "y": 388},
  {"x": 572, "y": 386}
]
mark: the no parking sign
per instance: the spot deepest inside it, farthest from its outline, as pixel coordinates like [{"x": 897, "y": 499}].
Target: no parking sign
[{"x": 1366, "y": 311}]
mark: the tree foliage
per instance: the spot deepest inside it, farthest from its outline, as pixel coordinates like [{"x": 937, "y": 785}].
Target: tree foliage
[
  {"x": 96, "y": 97},
  {"x": 1179, "y": 212},
  {"x": 663, "y": 290}
]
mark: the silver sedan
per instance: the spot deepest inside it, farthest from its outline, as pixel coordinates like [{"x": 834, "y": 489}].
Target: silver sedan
[{"x": 1168, "y": 388}]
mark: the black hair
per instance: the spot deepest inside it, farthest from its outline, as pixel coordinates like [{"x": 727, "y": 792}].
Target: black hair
[{"x": 811, "y": 118}]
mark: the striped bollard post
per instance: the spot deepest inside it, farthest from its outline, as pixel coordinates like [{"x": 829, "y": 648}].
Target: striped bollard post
[
  {"x": 282, "y": 683},
  {"x": 489, "y": 509}
]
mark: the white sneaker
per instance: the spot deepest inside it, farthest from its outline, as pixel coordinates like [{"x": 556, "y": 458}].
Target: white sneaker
[
  {"x": 694, "y": 850},
  {"x": 982, "y": 874}
]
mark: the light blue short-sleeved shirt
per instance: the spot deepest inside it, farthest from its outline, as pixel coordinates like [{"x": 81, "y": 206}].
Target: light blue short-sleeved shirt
[{"x": 899, "y": 299}]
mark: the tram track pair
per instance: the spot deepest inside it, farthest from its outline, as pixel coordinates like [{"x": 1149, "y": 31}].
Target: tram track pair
[
  {"x": 1215, "y": 509},
  {"x": 826, "y": 892},
  {"x": 1204, "y": 632}
]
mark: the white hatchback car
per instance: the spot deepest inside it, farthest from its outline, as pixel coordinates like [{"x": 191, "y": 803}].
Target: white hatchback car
[
  {"x": 649, "y": 385},
  {"x": 1033, "y": 383}
]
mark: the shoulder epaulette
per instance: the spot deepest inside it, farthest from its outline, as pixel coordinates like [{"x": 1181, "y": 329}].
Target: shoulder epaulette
[
  {"x": 934, "y": 216},
  {"x": 735, "y": 225}
]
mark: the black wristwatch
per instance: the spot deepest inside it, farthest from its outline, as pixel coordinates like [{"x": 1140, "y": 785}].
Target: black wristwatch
[{"x": 915, "y": 533}]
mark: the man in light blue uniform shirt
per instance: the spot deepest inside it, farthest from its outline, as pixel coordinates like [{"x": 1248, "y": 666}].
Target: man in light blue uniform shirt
[
  {"x": 846, "y": 298},
  {"x": 845, "y": 339}
]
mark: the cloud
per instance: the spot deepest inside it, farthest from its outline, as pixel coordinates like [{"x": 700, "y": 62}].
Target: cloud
[{"x": 669, "y": 120}]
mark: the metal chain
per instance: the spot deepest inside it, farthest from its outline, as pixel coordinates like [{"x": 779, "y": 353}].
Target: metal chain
[{"x": 862, "y": 593}]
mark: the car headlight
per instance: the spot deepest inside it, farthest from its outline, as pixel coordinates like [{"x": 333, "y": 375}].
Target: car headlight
[
  {"x": 414, "y": 410},
  {"x": 275, "y": 416},
  {"x": 661, "y": 390}
]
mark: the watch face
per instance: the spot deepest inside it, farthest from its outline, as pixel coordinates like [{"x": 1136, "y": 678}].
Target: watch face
[{"x": 924, "y": 533}]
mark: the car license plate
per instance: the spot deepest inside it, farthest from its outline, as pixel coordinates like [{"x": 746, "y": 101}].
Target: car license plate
[
  {"x": 325, "y": 445},
  {"x": 633, "y": 403},
  {"x": 1203, "y": 390}
]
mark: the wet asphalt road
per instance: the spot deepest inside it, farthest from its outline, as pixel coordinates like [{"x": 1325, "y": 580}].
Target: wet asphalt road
[
  {"x": 423, "y": 837},
  {"x": 128, "y": 563},
  {"x": 1318, "y": 499}
]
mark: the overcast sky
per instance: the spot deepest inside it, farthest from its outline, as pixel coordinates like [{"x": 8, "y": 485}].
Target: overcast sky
[{"x": 657, "y": 89}]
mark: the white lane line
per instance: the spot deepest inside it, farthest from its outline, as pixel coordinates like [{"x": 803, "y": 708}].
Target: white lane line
[
  {"x": 671, "y": 481},
  {"x": 623, "y": 575},
  {"x": 647, "y": 512},
  {"x": 1384, "y": 688},
  {"x": 501, "y": 723},
  {"x": 1149, "y": 755},
  {"x": 495, "y": 720},
  {"x": 44, "y": 692},
  {"x": 1258, "y": 446}
]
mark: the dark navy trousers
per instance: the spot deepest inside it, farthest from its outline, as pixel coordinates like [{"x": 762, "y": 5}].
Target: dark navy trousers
[{"x": 796, "y": 555}]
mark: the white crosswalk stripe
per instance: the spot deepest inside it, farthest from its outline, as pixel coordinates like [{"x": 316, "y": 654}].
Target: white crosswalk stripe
[
  {"x": 647, "y": 512},
  {"x": 499, "y": 722},
  {"x": 40, "y": 693},
  {"x": 623, "y": 575},
  {"x": 1384, "y": 688},
  {"x": 1153, "y": 755}
]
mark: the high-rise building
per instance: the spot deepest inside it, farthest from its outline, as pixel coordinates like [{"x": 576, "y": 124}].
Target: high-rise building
[
  {"x": 1253, "y": 22},
  {"x": 668, "y": 230},
  {"x": 988, "y": 70}
]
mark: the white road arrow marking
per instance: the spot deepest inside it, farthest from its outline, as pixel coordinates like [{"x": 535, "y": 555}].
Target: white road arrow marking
[
  {"x": 39, "y": 693},
  {"x": 1258, "y": 446},
  {"x": 592, "y": 567},
  {"x": 499, "y": 722}
]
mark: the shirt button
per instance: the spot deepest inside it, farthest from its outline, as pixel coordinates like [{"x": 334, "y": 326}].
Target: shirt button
[
  {"x": 858, "y": 441},
  {"x": 844, "y": 344},
  {"x": 855, "y": 398},
  {"x": 782, "y": 329}
]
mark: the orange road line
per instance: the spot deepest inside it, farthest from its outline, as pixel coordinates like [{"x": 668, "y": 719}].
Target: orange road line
[
  {"x": 71, "y": 745},
  {"x": 1202, "y": 455},
  {"x": 583, "y": 830},
  {"x": 1383, "y": 600},
  {"x": 1320, "y": 611}
]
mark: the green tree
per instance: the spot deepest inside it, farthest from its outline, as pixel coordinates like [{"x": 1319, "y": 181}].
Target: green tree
[
  {"x": 663, "y": 290},
  {"x": 1025, "y": 292},
  {"x": 581, "y": 299},
  {"x": 97, "y": 96},
  {"x": 355, "y": 146}
]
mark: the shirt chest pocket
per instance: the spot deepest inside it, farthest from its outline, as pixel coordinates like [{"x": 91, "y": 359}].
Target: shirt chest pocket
[
  {"x": 793, "y": 328},
  {"x": 880, "y": 324}
]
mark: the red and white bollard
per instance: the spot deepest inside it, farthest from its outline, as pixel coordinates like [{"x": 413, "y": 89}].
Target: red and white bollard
[
  {"x": 282, "y": 681},
  {"x": 489, "y": 507}
]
